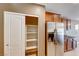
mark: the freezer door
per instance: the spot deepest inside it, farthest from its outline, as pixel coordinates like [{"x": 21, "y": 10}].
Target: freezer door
[
  {"x": 59, "y": 37},
  {"x": 50, "y": 43},
  {"x": 50, "y": 27}
]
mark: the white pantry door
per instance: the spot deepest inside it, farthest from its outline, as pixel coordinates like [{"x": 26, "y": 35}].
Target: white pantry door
[{"x": 14, "y": 34}]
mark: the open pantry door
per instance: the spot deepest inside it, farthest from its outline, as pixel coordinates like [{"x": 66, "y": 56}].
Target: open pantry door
[{"x": 14, "y": 34}]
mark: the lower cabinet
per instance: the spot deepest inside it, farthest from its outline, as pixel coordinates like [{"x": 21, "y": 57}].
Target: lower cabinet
[
  {"x": 69, "y": 44},
  {"x": 65, "y": 45}
]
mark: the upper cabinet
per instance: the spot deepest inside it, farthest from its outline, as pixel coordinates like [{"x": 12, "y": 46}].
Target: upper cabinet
[
  {"x": 52, "y": 17},
  {"x": 67, "y": 23},
  {"x": 49, "y": 17},
  {"x": 57, "y": 18}
]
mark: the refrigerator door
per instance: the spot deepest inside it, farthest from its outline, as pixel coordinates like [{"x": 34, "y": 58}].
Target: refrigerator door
[
  {"x": 59, "y": 37},
  {"x": 50, "y": 27},
  {"x": 50, "y": 36}
]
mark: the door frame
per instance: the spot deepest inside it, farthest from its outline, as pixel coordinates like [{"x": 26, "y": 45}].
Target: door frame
[{"x": 24, "y": 25}]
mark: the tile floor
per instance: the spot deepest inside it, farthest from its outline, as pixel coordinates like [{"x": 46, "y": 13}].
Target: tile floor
[{"x": 74, "y": 52}]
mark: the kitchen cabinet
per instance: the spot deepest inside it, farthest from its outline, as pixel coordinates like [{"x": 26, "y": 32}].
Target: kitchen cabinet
[
  {"x": 65, "y": 44},
  {"x": 49, "y": 17},
  {"x": 52, "y": 17},
  {"x": 57, "y": 18},
  {"x": 67, "y": 23},
  {"x": 69, "y": 44}
]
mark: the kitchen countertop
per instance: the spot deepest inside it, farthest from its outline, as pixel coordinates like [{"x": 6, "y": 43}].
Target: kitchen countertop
[
  {"x": 70, "y": 33},
  {"x": 69, "y": 36}
]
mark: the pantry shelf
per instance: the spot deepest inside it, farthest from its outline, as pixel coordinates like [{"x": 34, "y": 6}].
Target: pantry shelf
[{"x": 29, "y": 40}]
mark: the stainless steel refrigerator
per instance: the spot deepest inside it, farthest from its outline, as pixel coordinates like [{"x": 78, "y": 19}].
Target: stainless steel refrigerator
[{"x": 54, "y": 39}]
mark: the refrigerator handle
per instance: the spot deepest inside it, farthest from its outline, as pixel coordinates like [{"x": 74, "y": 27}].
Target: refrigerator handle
[{"x": 55, "y": 40}]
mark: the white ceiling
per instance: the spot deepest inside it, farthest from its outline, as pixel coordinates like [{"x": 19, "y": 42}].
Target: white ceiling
[{"x": 69, "y": 10}]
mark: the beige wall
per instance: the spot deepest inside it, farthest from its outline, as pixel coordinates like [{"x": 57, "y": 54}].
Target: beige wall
[
  {"x": 32, "y": 9},
  {"x": 2, "y": 8},
  {"x": 1, "y": 35}
]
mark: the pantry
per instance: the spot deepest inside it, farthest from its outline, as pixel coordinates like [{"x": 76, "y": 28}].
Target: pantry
[
  {"x": 31, "y": 24},
  {"x": 20, "y": 34}
]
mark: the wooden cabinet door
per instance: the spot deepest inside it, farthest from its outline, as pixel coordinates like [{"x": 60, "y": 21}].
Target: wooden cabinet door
[
  {"x": 48, "y": 17},
  {"x": 69, "y": 44},
  {"x": 65, "y": 44},
  {"x": 65, "y": 21},
  {"x": 69, "y": 24},
  {"x": 57, "y": 18}
]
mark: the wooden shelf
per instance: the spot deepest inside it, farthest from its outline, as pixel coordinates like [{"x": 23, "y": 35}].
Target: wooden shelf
[
  {"x": 31, "y": 32},
  {"x": 33, "y": 47},
  {"x": 29, "y": 40},
  {"x": 32, "y": 25}
]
